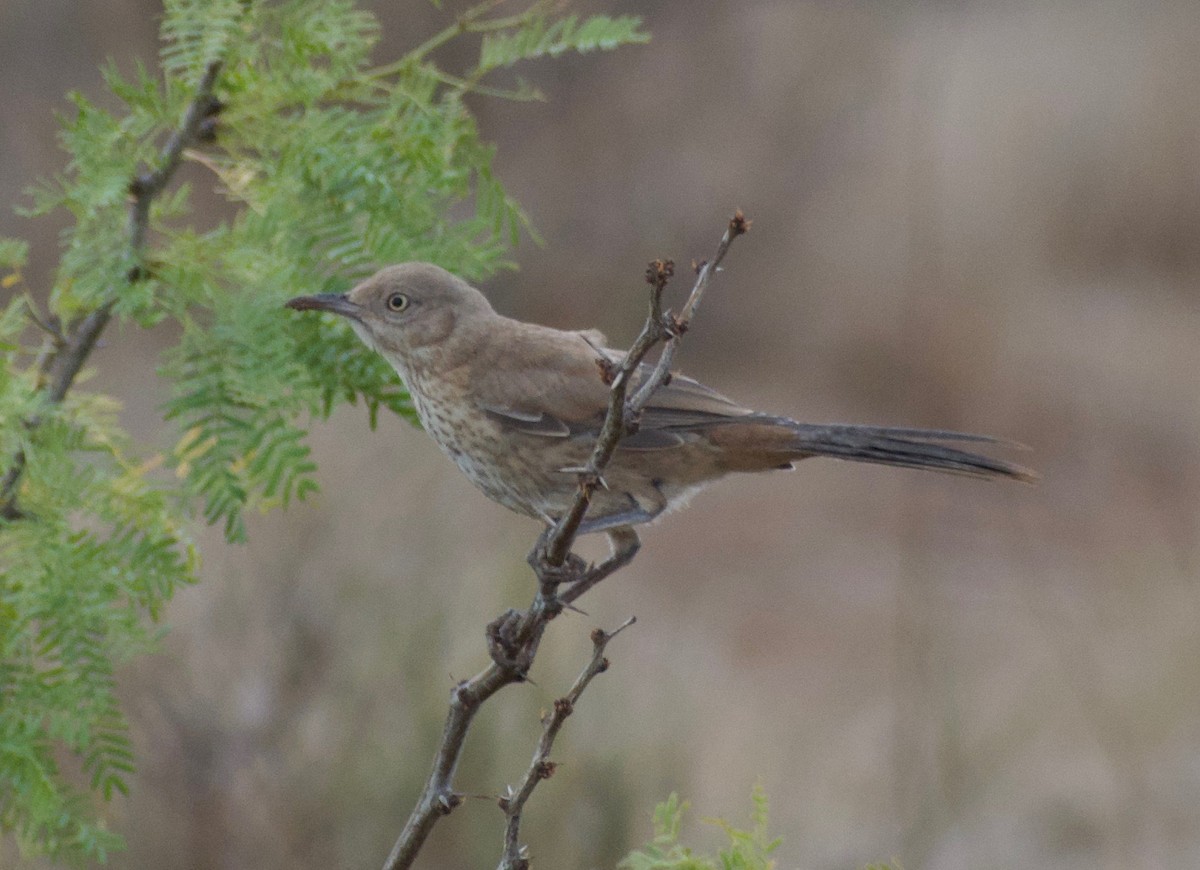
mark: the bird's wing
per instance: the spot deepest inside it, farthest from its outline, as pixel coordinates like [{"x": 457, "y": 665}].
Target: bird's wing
[{"x": 551, "y": 383}]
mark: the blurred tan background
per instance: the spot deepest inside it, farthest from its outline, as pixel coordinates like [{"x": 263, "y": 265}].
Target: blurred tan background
[{"x": 977, "y": 215}]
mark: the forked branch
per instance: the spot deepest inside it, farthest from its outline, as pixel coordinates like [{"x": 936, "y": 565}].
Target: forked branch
[
  {"x": 68, "y": 350},
  {"x": 659, "y": 327},
  {"x": 541, "y": 767},
  {"x": 514, "y": 637}
]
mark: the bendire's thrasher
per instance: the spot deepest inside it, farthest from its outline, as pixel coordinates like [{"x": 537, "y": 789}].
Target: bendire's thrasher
[{"x": 518, "y": 407}]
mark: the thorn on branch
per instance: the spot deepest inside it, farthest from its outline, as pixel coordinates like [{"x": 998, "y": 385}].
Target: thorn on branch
[
  {"x": 566, "y": 605},
  {"x": 590, "y": 480}
]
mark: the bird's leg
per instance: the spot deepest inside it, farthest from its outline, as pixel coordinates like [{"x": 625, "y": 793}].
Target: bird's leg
[
  {"x": 575, "y": 571},
  {"x": 509, "y": 646},
  {"x": 634, "y": 516},
  {"x": 553, "y": 575},
  {"x": 625, "y": 545}
]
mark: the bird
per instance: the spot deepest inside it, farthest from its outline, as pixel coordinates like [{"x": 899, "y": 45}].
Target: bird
[{"x": 518, "y": 407}]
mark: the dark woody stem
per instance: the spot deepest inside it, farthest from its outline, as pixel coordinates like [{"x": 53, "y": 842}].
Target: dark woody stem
[
  {"x": 66, "y": 354},
  {"x": 738, "y": 225},
  {"x": 659, "y": 327},
  {"x": 514, "y": 637},
  {"x": 541, "y": 767},
  {"x": 558, "y": 544}
]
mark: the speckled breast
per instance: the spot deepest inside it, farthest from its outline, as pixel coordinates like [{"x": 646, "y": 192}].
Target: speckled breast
[{"x": 516, "y": 475}]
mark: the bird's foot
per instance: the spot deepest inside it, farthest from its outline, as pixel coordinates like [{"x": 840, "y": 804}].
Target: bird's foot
[
  {"x": 505, "y": 645},
  {"x": 552, "y": 576},
  {"x": 625, "y": 545}
]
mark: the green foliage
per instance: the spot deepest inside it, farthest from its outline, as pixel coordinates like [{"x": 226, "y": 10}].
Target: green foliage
[
  {"x": 98, "y": 549},
  {"x": 330, "y": 167},
  {"x": 13, "y": 253},
  {"x": 749, "y": 849},
  {"x": 545, "y": 37}
]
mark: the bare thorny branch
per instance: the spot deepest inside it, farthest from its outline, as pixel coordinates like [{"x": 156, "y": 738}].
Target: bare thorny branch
[
  {"x": 66, "y": 350},
  {"x": 514, "y": 637},
  {"x": 541, "y": 767}
]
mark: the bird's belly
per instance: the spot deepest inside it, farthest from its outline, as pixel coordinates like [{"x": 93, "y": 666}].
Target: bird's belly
[
  {"x": 537, "y": 475},
  {"x": 508, "y": 469}
]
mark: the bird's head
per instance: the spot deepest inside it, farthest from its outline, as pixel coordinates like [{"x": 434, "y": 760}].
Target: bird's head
[{"x": 405, "y": 310}]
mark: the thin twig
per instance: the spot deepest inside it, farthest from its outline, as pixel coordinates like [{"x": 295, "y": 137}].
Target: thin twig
[
  {"x": 738, "y": 225},
  {"x": 514, "y": 638},
  {"x": 466, "y": 22},
  {"x": 541, "y": 767},
  {"x": 658, "y": 327},
  {"x": 558, "y": 543},
  {"x": 48, "y": 325},
  {"x": 60, "y": 366},
  {"x": 438, "y": 798},
  {"x": 148, "y": 185},
  {"x": 625, "y": 547}
]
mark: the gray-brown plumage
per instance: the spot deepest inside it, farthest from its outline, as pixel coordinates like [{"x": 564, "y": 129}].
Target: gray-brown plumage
[{"x": 518, "y": 407}]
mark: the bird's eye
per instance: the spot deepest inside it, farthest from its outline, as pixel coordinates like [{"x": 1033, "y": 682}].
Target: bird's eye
[{"x": 397, "y": 302}]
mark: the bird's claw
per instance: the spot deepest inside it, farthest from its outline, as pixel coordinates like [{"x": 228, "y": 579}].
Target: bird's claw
[
  {"x": 504, "y": 646},
  {"x": 555, "y": 575}
]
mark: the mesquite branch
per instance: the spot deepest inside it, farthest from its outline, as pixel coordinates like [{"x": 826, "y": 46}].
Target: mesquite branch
[
  {"x": 738, "y": 225},
  {"x": 68, "y": 350},
  {"x": 514, "y": 637},
  {"x": 541, "y": 767},
  {"x": 659, "y": 327}
]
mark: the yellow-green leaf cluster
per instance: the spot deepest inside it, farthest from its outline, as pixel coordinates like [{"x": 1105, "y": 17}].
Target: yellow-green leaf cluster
[
  {"x": 330, "y": 166},
  {"x": 749, "y": 848}
]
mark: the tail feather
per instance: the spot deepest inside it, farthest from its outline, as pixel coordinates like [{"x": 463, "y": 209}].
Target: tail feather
[{"x": 907, "y": 448}]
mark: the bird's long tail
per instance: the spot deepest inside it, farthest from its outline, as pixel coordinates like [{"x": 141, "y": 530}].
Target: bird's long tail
[{"x": 771, "y": 442}]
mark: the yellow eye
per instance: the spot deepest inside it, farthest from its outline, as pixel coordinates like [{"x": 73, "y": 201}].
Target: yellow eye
[{"x": 397, "y": 302}]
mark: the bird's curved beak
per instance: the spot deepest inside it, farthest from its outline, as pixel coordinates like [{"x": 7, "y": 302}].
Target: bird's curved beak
[{"x": 337, "y": 303}]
